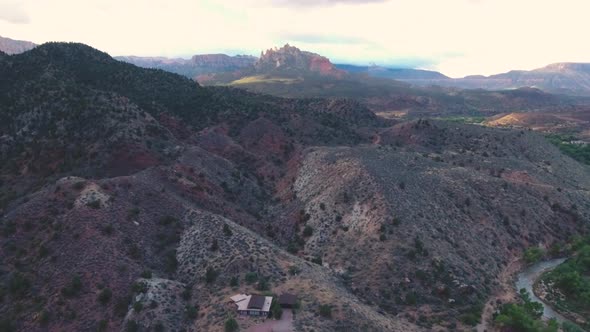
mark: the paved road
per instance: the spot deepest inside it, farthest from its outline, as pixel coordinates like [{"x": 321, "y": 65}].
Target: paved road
[{"x": 272, "y": 325}]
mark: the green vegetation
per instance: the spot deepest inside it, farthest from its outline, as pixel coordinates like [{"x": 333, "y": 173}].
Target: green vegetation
[
  {"x": 473, "y": 316},
  {"x": 131, "y": 326},
  {"x": 275, "y": 309},
  {"x": 579, "y": 152},
  {"x": 525, "y": 316},
  {"x": 226, "y": 230},
  {"x": 307, "y": 231},
  {"x": 105, "y": 296},
  {"x": 73, "y": 288},
  {"x": 263, "y": 284},
  {"x": 251, "y": 277},
  {"x": 191, "y": 312},
  {"x": 231, "y": 325},
  {"x": 325, "y": 310},
  {"x": 210, "y": 275},
  {"x": 18, "y": 285},
  {"x": 572, "y": 279},
  {"x": 533, "y": 255},
  {"x": 137, "y": 306}
]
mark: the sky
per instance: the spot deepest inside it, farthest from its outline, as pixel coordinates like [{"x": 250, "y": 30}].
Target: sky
[{"x": 455, "y": 37}]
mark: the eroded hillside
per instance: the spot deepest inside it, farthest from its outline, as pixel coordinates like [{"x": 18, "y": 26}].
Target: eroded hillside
[{"x": 136, "y": 198}]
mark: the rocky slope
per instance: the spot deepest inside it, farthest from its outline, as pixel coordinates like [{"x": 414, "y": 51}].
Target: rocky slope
[
  {"x": 11, "y": 46},
  {"x": 136, "y": 198}
]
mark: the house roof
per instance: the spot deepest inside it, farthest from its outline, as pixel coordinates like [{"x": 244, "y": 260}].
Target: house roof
[
  {"x": 288, "y": 299},
  {"x": 256, "y": 302},
  {"x": 244, "y": 302}
]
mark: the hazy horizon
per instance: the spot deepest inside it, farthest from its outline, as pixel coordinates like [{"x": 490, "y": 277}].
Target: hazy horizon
[{"x": 457, "y": 38}]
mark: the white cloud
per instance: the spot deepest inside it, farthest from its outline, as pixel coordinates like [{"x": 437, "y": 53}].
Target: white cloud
[
  {"x": 314, "y": 3},
  {"x": 13, "y": 12},
  {"x": 457, "y": 37}
]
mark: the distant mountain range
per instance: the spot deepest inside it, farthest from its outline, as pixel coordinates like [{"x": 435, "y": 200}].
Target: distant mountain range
[
  {"x": 196, "y": 67},
  {"x": 566, "y": 78},
  {"x": 11, "y": 46},
  {"x": 562, "y": 78},
  {"x": 290, "y": 62}
]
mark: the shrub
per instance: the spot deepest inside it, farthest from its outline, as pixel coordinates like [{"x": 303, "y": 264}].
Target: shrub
[
  {"x": 44, "y": 317},
  {"x": 411, "y": 299},
  {"x": 139, "y": 287},
  {"x": 210, "y": 275},
  {"x": 131, "y": 326},
  {"x": 263, "y": 284},
  {"x": 251, "y": 277},
  {"x": 132, "y": 213},
  {"x": 214, "y": 245},
  {"x": 226, "y": 230},
  {"x": 275, "y": 309},
  {"x": 108, "y": 229},
  {"x": 521, "y": 317},
  {"x": 18, "y": 284},
  {"x": 234, "y": 281},
  {"x": 231, "y": 325},
  {"x": 103, "y": 324},
  {"x": 293, "y": 270},
  {"x": 105, "y": 296},
  {"x": 137, "y": 306},
  {"x": 325, "y": 310},
  {"x": 533, "y": 255},
  {"x": 94, "y": 204},
  {"x": 167, "y": 220},
  {"x": 171, "y": 263},
  {"x": 73, "y": 288},
  {"x": 186, "y": 293},
  {"x": 571, "y": 327},
  {"x": 121, "y": 306},
  {"x": 159, "y": 327},
  {"x": 147, "y": 274},
  {"x": 307, "y": 231},
  {"x": 191, "y": 312}
]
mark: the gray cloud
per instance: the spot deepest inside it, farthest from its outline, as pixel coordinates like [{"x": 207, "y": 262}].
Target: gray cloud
[
  {"x": 309, "y": 3},
  {"x": 13, "y": 13}
]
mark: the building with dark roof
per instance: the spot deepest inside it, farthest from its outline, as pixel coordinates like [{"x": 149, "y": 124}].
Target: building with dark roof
[
  {"x": 252, "y": 305},
  {"x": 287, "y": 300}
]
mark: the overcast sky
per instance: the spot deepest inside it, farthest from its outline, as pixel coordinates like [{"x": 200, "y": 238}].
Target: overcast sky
[{"x": 456, "y": 37}]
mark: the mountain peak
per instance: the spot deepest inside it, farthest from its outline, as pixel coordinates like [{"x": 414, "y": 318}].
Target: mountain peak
[{"x": 290, "y": 59}]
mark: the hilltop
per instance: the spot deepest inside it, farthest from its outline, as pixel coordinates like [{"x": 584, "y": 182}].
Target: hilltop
[{"x": 137, "y": 197}]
